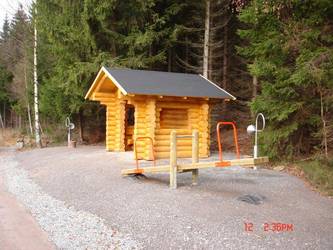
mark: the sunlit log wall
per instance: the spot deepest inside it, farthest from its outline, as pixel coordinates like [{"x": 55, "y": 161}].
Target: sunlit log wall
[{"x": 155, "y": 117}]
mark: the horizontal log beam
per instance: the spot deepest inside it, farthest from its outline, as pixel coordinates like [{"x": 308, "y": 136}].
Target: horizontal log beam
[
  {"x": 159, "y": 143},
  {"x": 201, "y": 165}
]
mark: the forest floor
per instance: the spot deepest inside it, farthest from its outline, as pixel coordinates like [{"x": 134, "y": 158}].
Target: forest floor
[
  {"x": 144, "y": 212},
  {"x": 8, "y": 137}
]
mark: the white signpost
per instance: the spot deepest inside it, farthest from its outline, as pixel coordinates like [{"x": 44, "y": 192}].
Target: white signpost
[
  {"x": 254, "y": 129},
  {"x": 70, "y": 126}
]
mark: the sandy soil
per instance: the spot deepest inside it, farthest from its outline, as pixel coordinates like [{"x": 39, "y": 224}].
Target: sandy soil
[{"x": 207, "y": 216}]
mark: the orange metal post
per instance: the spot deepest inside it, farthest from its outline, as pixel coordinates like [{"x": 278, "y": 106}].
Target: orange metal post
[
  {"x": 219, "y": 124},
  {"x": 136, "y": 152}
]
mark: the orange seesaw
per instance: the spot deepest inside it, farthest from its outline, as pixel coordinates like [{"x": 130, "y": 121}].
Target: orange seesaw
[{"x": 173, "y": 168}]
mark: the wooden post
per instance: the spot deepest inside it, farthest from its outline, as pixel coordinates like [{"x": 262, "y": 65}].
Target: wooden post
[
  {"x": 195, "y": 155},
  {"x": 120, "y": 130},
  {"x": 150, "y": 129},
  {"x": 173, "y": 159}
]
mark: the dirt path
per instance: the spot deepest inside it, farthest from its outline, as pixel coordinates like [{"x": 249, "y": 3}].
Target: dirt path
[{"x": 18, "y": 228}]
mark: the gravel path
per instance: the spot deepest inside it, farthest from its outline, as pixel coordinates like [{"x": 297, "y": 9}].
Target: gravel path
[
  {"x": 67, "y": 227},
  {"x": 18, "y": 228},
  {"x": 207, "y": 216}
]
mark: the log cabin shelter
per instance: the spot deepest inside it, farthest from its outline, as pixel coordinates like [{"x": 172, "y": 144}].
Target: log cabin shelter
[{"x": 142, "y": 103}]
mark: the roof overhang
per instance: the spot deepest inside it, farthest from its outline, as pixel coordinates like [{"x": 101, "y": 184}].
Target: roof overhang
[{"x": 217, "y": 86}]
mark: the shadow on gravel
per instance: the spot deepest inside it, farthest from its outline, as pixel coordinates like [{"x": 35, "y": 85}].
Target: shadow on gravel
[
  {"x": 262, "y": 174},
  {"x": 138, "y": 177},
  {"x": 162, "y": 181},
  {"x": 238, "y": 181},
  {"x": 143, "y": 179},
  {"x": 254, "y": 199}
]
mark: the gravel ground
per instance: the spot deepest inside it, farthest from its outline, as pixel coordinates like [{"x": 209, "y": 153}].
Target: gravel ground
[
  {"x": 207, "y": 216},
  {"x": 67, "y": 227}
]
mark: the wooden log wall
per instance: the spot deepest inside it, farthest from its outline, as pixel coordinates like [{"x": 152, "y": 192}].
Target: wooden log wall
[
  {"x": 115, "y": 122},
  {"x": 144, "y": 126},
  {"x": 157, "y": 117},
  {"x": 151, "y": 125},
  {"x": 174, "y": 118},
  {"x": 204, "y": 130},
  {"x": 183, "y": 116}
]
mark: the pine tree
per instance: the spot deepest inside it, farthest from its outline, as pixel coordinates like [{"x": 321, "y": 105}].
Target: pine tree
[
  {"x": 65, "y": 58},
  {"x": 4, "y": 34},
  {"x": 14, "y": 49},
  {"x": 85, "y": 35},
  {"x": 5, "y": 75},
  {"x": 291, "y": 49},
  {"x": 5, "y": 79}
]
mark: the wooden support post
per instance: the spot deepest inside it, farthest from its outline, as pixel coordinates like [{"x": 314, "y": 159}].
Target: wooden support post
[
  {"x": 150, "y": 128},
  {"x": 120, "y": 130},
  {"x": 173, "y": 159},
  {"x": 195, "y": 156}
]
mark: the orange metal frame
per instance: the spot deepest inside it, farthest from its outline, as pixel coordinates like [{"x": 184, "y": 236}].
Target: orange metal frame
[
  {"x": 139, "y": 171},
  {"x": 218, "y": 126}
]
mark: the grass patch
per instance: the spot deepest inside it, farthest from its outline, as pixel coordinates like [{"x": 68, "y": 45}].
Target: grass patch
[{"x": 320, "y": 174}]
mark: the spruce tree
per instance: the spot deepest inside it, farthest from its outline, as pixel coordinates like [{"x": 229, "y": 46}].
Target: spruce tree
[{"x": 291, "y": 49}]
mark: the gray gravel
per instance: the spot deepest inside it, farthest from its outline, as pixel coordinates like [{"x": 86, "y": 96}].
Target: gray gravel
[
  {"x": 207, "y": 216},
  {"x": 67, "y": 227}
]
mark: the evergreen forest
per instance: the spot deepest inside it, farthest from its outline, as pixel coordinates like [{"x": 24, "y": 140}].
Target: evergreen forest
[{"x": 275, "y": 57}]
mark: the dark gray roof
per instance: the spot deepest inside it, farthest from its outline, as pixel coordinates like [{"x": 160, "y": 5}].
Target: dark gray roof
[{"x": 142, "y": 82}]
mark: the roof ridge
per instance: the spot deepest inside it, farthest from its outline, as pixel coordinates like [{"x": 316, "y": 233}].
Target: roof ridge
[{"x": 157, "y": 71}]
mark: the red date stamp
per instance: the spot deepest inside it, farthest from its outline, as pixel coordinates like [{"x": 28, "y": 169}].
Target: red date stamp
[{"x": 270, "y": 227}]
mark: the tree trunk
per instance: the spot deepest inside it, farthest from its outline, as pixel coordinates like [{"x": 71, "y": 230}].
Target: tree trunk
[
  {"x": 324, "y": 133},
  {"x": 20, "y": 121},
  {"x": 225, "y": 63},
  {"x": 1, "y": 121},
  {"x": 36, "y": 101},
  {"x": 169, "y": 60},
  {"x": 206, "y": 40},
  {"x": 254, "y": 87},
  {"x": 210, "y": 58},
  {"x": 80, "y": 127},
  {"x": 4, "y": 114},
  {"x": 29, "y": 118},
  {"x": 254, "y": 91},
  {"x": 27, "y": 97},
  {"x": 3, "y": 127},
  {"x": 225, "y": 57},
  {"x": 186, "y": 53},
  {"x": 11, "y": 118}
]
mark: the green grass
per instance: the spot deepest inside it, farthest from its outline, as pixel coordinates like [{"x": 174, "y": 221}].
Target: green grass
[{"x": 320, "y": 174}]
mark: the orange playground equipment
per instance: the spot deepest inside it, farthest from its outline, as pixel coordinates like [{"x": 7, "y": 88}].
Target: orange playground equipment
[
  {"x": 218, "y": 126},
  {"x": 173, "y": 167}
]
